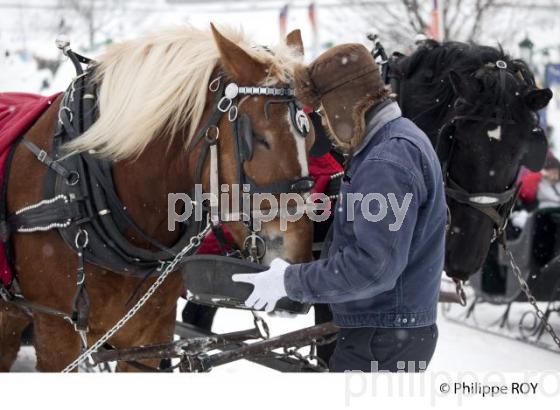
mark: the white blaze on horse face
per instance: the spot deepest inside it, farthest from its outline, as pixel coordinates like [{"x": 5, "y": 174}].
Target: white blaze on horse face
[
  {"x": 495, "y": 134},
  {"x": 300, "y": 147}
]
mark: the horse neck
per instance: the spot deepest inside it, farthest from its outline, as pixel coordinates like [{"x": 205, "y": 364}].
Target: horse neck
[
  {"x": 143, "y": 185},
  {"x": 423, "y": 116}
]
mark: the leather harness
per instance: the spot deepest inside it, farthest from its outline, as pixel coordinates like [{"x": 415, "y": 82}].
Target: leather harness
[
  {"x": 82, "y": 203},
  {"x": 496, "y": 206}
]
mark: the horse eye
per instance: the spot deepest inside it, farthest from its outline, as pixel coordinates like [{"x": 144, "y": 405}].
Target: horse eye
[{"x": 262, "y": 141}]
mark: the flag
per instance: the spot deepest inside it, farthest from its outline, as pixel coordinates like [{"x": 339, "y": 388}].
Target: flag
[
  {"x": 312, "y": 16},
  {"x": 283, "y": 20},
  {"x": 434, "y": 28}
]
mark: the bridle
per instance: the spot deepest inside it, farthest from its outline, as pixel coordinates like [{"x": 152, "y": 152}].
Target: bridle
[
  {"x": 495, "y": 205},
  {"x": 227, "y": 101}
]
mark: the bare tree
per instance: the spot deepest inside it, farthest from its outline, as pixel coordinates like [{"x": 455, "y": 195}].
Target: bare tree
[
  {"x": 94, "y": 13},
  {"x": 402, "y": 20}
]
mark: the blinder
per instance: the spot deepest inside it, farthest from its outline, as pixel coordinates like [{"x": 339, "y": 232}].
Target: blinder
[
  {"x": 535, "y": 156},
  {"x": 244, "y": 129},
  {"x": 245, "y": 137},
  {"x": 299, "y": 119},
  {"x": 226, "y": 102}
]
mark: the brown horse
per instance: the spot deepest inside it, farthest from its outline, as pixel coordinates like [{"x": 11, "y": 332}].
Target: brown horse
[{"x": 154, "y": 96}]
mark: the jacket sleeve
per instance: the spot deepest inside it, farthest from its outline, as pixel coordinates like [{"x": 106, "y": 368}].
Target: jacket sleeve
[{"x": 373, "y": 262}]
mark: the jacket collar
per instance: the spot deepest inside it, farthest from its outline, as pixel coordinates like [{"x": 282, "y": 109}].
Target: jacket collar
[{"x": 376, "y": 119}]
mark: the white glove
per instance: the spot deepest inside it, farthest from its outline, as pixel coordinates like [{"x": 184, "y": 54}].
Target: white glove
[{"x": 268, "y": 285}]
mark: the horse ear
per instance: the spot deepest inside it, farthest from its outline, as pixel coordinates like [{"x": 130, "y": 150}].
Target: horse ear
[
  {"x": 242, "y": 68},
  {"x": 294, "y": 40},
  {"x": 535, "y": 156},
  {"x": 537, "y": 99}
]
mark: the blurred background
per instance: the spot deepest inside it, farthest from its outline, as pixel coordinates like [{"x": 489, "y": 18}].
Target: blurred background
[
  {"x": 29, "y": 60},
  {"x": 28, "y": 28}
]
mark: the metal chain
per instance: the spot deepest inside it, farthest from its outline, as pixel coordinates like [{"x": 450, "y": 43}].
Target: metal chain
[
  {"x": 525, "y": 289},
  {"x": 193, "y": 243},
  {"x": 305, "y": 359}
]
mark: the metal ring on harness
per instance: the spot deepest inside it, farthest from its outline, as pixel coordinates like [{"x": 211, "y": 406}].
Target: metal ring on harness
[
  {"x": 232, "y": 113},
  {"x": 73, "y": 178},
  {"x": 209, "y": 139},
  {"x": 215, "y": 84},
  {"x": 64, "y": 108},
  {"x": 228, "y": 102},
  {"x": 79, "y": 242},
  {"x": 501, "y": 64},
  {"x": 247, "y": 245}
]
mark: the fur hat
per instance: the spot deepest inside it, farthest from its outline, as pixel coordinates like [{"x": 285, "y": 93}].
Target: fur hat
[{"x": 344, "y": 81}]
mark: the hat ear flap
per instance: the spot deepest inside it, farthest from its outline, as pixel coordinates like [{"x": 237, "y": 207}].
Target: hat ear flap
[{"x": 445, "y": 142}]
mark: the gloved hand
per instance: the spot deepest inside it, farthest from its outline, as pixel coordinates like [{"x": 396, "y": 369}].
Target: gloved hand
[{"x": 268, "y": 285}]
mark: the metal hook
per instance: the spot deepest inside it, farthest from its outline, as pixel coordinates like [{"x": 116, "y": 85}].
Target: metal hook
[
  {"x": 82, "y": 239},
  {"x": 212, "y": 139},
  {"x": 70, "y": 116}
]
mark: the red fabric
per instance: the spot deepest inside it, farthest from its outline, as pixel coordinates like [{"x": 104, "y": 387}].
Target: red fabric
[
  {"x": 320, "y": 168},
  {"x": 18, "y": 112},
  {"x": 528, "y": 192}
]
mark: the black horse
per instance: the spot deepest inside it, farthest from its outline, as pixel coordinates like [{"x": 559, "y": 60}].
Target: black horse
[{"x": 479, "y": 108}]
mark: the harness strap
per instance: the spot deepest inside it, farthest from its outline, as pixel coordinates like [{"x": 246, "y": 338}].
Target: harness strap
[
  {"x": 30, "y": 307},
  {"x": 81, "y": 303},
  {"x": 505, "y": 199},
  {"x": 56, "y": 212},
  {"x": 117, "y": 207},
  {"x": 214, "y": 184},
  {"x": 45, "y": 158}
]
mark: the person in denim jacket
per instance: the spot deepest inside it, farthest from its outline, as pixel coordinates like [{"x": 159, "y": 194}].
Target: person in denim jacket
[{"x": 382, "y": 275}]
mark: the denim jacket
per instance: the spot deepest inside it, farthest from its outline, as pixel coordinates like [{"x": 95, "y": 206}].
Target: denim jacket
[{"x": 380, "y": 274}]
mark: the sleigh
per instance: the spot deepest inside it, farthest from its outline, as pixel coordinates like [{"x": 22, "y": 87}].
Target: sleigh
[{"x": 496, "y": 284}]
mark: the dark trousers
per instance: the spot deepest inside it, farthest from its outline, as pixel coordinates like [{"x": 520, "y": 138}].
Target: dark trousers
[{"x": 382, "y": 349}]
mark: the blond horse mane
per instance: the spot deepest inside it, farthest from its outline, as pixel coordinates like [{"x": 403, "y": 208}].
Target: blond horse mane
[{"x": 157, "y": 85}]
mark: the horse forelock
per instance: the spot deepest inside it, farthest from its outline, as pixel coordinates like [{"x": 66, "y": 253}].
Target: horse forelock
[{"x": 157, "y": 85}]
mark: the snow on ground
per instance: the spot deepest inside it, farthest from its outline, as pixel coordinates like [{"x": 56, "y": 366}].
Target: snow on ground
[
  {"x": 459, "y": 349},
  {"x": 22, "y": 34}
]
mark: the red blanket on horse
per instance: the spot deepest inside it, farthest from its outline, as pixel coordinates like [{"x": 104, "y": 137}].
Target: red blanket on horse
[{"x": 18, "y": 112}]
